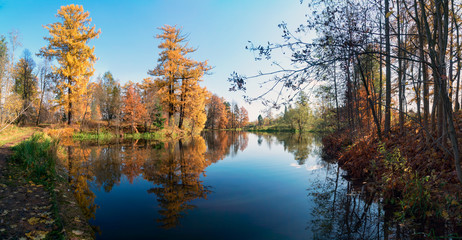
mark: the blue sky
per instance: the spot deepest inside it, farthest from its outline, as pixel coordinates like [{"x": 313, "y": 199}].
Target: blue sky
[{"x": 219, "y": 29}]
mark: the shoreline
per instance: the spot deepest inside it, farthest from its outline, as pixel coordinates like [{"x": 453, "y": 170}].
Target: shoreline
[
  {"x": 34, "y": 209},
  {"x": 417, "y": 180}
]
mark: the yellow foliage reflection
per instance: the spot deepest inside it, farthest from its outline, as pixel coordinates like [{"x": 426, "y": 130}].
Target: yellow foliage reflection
[
  {"x": 176, "y": 174},
  {"x": 221, "y": 144},
  {"x": 175, "y": 169},
  {"x": 80, "y": 174}
]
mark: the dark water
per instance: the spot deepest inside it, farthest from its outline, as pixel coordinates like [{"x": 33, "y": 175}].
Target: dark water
[{"x": 223, "y": 185}]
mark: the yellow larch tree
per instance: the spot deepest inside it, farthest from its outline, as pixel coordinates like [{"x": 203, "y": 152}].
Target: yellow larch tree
[
  {"x": 222, "y": 114},
  {"x": 169, "y": 67},
  {"x": 194, "y": 110},
  {"x": 68, "y": 45},
  {"x": 178, "y": 80},
  {"x": 192, "y": 96}
]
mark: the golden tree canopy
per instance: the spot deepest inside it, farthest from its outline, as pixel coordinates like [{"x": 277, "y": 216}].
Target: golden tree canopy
[
  {"x": 178, "y": 79},
  {"x": 68, "y": 45}
]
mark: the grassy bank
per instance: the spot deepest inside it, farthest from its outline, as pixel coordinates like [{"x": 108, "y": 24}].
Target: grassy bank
[
  {"x": 161, "y": 135},
  {"x": 270, "y": 128},
  {"x": 37, "y": 157},
  {"x": 36, "y": 160},
  {"x": 286, "y": 128},
  {"x": 107, "y": 136}
]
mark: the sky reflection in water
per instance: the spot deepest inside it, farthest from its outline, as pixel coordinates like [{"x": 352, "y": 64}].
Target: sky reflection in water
[{"x": 223, "y": 185}]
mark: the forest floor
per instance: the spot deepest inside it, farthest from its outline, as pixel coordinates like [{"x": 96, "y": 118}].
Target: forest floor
[
  {"x": 408, "y": 171},
  {"x": 34, "y": 211}
]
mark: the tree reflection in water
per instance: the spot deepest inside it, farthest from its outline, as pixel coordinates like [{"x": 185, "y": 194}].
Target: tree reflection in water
[
  {"x": 300, "y": 145},
  {"x": 174, "y": 168},
  {"x": 342, "y": 209},
  {"x": 339, "y": 208},
  {"x": 221, "y": 144},
  {"x": 348, "y": 210},
  {"x": 80, "y": 174},
  {"x": 107, "y": 167},
  {"x": 177, "y": 179}
]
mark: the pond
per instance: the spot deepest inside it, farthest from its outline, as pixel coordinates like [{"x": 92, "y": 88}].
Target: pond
[{"x": 221, "y": 185}]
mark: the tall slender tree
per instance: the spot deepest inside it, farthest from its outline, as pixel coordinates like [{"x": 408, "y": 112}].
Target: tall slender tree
[
  {"x": 179, "y": 77},
  {"x": 68, "y": 44},
  {"x": 25, "y": 83},
  {"x": 169, "y": 67}
]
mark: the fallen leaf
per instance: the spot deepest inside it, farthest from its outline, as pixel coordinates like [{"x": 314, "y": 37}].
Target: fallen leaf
[
  {"x": 33, "y": 220},
  {"x": 49, "y": 221},
  {"x": 77, "y": 232},
  {"x": 445, "y": 214},
  {"x": 37, "y": 235}
]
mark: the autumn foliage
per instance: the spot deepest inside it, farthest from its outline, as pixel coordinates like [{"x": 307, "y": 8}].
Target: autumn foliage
[
  {"x": 68, "y": 45},
  {"x": 134, "y": 111},
  {"x": 222, "y": 115},
  {"x": 60, "y": 89},
  {"x": 403, "y": 166},
  {"x": 178, "y": 80}
]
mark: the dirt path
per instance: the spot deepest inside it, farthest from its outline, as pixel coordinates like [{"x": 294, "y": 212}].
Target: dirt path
[
  {"x": 25, "y": 208},
  {"x": 27, "y": 211}
]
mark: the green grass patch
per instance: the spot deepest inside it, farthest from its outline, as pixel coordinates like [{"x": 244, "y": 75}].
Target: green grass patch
[
  {"x": 36, "y": 158},
  {"x": 91, "y": 136},
  {"x": 107, "y": 136},
  {"x": 146, "y": 136},
  {"x": 271, "y": 128}
]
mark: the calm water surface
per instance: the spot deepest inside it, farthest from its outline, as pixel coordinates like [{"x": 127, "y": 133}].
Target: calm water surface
[{"x": 222, "y": 185}]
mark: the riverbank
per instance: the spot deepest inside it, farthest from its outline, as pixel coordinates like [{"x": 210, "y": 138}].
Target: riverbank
[
  {"x": 106, "y": 134},
  {"x": 413, "y": 176},
  {"x": 36, "y": 201}
]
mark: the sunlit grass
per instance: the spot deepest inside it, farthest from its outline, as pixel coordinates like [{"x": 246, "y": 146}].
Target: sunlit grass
[
  {"x": 271, "y": 128},
  {"x": 14, "y": 133},
  {"x": 36, "y": 156},
  {"x": 91, "y": 136},
  {"x": 106, "y": 136},
  {"x": 35, "y": 160},
  {"x": 146, "y": 136}
]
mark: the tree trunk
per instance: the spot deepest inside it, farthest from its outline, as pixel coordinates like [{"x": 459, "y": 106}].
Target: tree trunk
[
  {"x": 439, "y": 67},
  {"x": 69, "y": 111},
  {"x": 40, "y": 108},
  {"x": 182, "y": 108},
  {"x": 336, "y": 97},
  {"x": 387, "y": 70},
  {"x": 369, "y": 100},
  {"x": 400, "y": 74}
]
